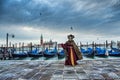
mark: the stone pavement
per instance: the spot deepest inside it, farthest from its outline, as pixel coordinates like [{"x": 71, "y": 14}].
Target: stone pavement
[{"x": 105, "y": 69}]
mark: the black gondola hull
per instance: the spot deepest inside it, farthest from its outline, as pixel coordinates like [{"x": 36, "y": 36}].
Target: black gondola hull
[
  {"x": 101, "y": 55},
  {"x": 19, "y": 55},
  {"x": 116, "y": 55},
  {"x": 61, "y": 56},
  {"x": 49, "y": 55},
  {"x": 35, "y": 55}
]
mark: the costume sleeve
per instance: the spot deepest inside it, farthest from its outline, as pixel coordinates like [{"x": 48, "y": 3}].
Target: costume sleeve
[
  {"x": 65, "y": 49},
  {"x": 63, "y": 46}
]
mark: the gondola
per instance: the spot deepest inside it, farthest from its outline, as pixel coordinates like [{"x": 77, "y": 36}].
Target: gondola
[
  {"x": 19, "y": 54},
  {"x": 88, "y": 53},
  {"x": 83, "y": 51},
  {"x": 100, "y": 52},
  {"x": 51, "y": 53},
  {"x": 114, "y": 53},
  {"x": 61, "y": 54},
  {"x": 35, "y": 53}
]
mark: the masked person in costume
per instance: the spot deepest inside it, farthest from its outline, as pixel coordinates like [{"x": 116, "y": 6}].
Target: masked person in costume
[{"x": 71, "y": 51}]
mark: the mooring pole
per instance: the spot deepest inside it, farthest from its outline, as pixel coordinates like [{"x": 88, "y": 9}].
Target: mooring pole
[{"x": 6, "y": 41}]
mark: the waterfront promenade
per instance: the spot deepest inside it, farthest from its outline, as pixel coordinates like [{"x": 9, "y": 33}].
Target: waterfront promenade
[{"x": 102, "y": 69}]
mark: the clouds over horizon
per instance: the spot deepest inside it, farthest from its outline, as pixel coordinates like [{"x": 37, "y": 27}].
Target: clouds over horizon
[{"x": 92, "y": 17}]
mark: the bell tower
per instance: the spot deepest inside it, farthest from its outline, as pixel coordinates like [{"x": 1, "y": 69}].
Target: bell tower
[{"x": 41, "y": 40}]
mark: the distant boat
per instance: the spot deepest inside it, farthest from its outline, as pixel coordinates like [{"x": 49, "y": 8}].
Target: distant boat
[
  {"x": 115, "y": 49},
  {"x": 83, "y": 51},
  {"x": 19, "y": 54},
  {"x": 61, "y": 54},
  {"x": 51, "y": 53},
  {"x": 114, "y": 52},
  {"x": 100, "y": 52},
  {"x": 88, "y": 53},
  {"x": 35, "y": 53}
]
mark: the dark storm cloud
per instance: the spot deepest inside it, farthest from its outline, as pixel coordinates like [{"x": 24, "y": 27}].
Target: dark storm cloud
[
  {"x": 93, "y": 16},
  {"x": 52, "y": 12},
  {"x": 116, "y": 11}
]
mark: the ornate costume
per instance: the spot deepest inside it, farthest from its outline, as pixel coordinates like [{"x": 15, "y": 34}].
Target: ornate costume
[{"x": 72, "y": 52}]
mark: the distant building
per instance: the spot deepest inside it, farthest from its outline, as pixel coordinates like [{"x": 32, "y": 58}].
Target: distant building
[
  {"x": 41, "y": 40},
  {"x": 50, "y": 44}
]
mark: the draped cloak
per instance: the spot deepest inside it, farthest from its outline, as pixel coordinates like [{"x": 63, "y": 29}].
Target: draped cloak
[{"x": 72, "y": 53}]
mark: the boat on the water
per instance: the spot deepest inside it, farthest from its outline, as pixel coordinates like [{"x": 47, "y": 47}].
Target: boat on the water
[
  {"x": 83, "y": 51},
  {"x": 114, "y": 52},
  {"x": 19, "y": 54},
  {"x": 88, "y": 53},
  {"x": 35, "y": 53},
  {"x": 50, "y": 53},
  {"x": 100, "y": 52},
  {"x": 61, "y": 54}
]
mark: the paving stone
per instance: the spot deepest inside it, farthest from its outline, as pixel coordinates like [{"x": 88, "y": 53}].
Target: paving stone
[
  {"x": 69, "y": 76},
  {"x": 118, "y": 74},
  {"x": 20, "y": 79},
  {"x": 37, "y": 76},
  {"x": 83, "y": 76},
  {"x": 79, "y": 71},
  {"x": 58, "y": 73},
  {"x": 46, "y": 77},
  {"x": 58, "y": 78},
  {"x": 113, "y": 75},
  {"x": 30, "y": 74},
  {"x": 106, "y": 77},
  {"x": 81, "y": 62},
  {"x": 68, "y": 68},
  {"x": 96, "y": 76},
  {"x": 70, "y": 79},
  {"x": 69, "y": 72}
]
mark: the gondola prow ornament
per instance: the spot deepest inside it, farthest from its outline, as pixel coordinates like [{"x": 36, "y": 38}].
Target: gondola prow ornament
[{"x": 72, "y": 51}]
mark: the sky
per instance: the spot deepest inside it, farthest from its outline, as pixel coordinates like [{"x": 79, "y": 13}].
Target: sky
[{"x": 91, "y": 20}]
